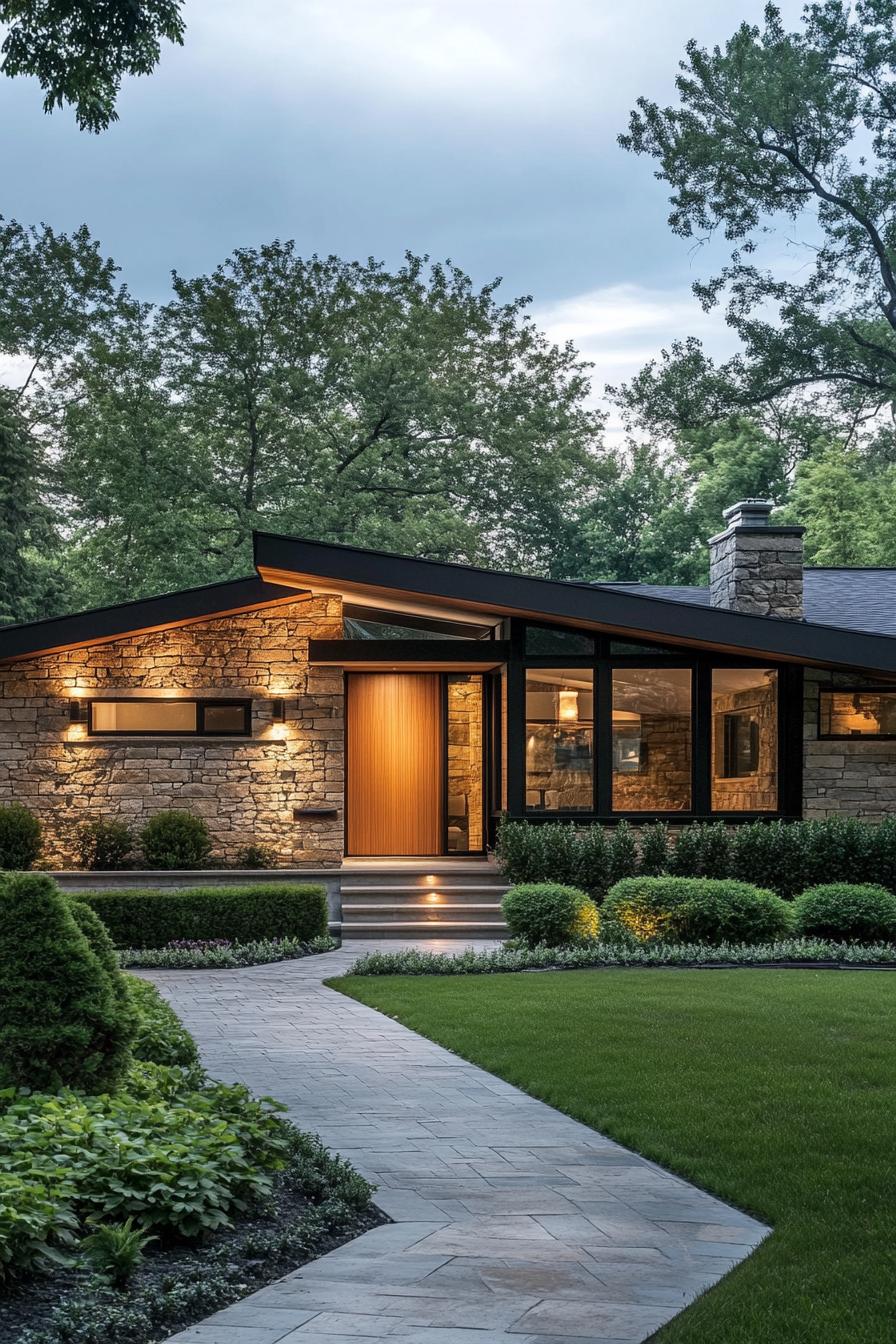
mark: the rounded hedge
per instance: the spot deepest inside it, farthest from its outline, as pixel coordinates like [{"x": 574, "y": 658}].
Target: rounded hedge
[
  {"x": 175, "y": 839},
  {"x": 20, "y": 837},
  {"x": 62, "y": 1024},
  {"x": 549, "y": 913},
  {"x": 693, "y": 910},
  {"x": 847, "y": 913}
]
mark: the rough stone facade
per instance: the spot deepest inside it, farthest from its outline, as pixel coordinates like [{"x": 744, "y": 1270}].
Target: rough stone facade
[
  {"x": 247, "y": 789},
  {"x": 758, "y": 571},
  {"x": 845, "y": 778}
]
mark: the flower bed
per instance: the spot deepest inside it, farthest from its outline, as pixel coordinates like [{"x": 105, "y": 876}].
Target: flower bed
[
  {"x": 803, "y": 951},
  {"x": 220, "y": 954}
]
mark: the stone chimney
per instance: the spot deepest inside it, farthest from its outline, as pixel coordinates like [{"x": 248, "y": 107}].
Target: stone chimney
[{"x": 754, "y": 566}]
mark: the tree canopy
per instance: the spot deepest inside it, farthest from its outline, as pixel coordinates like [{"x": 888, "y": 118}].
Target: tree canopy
[
  {"x": 781, "y": 126},
  {"x": 79, "y": 50}
]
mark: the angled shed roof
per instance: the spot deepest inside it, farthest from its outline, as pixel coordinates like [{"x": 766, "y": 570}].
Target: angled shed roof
[
  {"x": 103, "y": 624},
  {"x": 626, "y": 609}
]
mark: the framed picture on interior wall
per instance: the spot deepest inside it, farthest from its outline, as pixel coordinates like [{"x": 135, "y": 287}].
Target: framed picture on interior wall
[
  {"x": 629, "y": 752},
  {"x": 572, "y": 749}
]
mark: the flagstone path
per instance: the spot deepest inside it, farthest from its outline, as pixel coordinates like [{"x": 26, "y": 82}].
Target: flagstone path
[{"x": 511, "y": 1222}]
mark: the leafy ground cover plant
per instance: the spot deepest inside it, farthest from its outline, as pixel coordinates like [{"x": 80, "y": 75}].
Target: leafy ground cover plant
[
  {"x": 116, "y": 1249},
  {"x": 865, "y": 914},
  {"x": 472, "y": 962},
  {"x": 221, "y": 954},
  {"x": 549, "y": 913},
  {"x": 20, "y": 838},
  {"x": 154, "y": 917},
  {"x": 160, "y": 1036}
]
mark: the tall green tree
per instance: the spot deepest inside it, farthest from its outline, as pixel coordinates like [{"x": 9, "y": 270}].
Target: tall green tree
[
  {"x": 794, "y": 126},
  {"x": 405, "y": 409},
  {"x": 79, "y": 50},
  {"x": 30, "y": 579}
]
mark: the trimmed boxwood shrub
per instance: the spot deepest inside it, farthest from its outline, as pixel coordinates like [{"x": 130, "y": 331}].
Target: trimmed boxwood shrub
[
  {"x": 20, "y": 837},
  {"x": 102, "y": 947},
  {"x": 62, "y": 1024},
  {"x": 175, "y": 839},
  {"x": 843, "y": 911},
  {"x": 156, "y": 917},
  {"x": 549, "y": 913},
  {"x": 104, "y": 845},
  {"x": 693, "y": 910}
]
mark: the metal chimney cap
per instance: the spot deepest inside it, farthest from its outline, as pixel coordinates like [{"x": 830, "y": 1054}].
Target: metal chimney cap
[{"x": 749, "y": 513}]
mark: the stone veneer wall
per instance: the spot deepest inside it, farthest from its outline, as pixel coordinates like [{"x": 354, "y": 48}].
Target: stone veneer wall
[
  {"x": 855, "y": 778},
  {"x": 246, "y": 789}
]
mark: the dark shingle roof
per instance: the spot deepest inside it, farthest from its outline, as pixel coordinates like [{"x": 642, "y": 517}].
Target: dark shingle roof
[{"x": 853, "y": 599}]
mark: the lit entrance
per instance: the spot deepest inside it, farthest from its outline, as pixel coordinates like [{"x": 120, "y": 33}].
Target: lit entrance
[{"x": 415, "y": 778}]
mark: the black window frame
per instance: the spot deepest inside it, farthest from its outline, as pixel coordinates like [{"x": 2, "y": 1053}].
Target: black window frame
[
  {"x": 852, "y": 737},
  {"x": 201, "y": 703},
  {"x": 790, "y": 729}
]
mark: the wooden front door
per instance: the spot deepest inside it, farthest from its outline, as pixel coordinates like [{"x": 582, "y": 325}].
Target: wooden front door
[{"x": 394, "y": 763}]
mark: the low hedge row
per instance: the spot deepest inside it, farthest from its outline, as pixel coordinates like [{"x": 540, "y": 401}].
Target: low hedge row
[
  {"x": 693, "y": 910},
  {"x": 156, "y": 917},
  {"x": 784, "y": 857}
]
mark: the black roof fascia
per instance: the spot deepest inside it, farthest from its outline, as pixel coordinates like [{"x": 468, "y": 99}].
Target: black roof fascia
[
  {"x": 379, "y": 573},
  {"x": 389, "y": 652},
  {"x": 102, "y": 624}
]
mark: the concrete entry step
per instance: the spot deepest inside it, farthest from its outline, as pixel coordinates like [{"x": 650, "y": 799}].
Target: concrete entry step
[
  {"x": 449, "y": 897},
  {"x": 436, "y": 928}
]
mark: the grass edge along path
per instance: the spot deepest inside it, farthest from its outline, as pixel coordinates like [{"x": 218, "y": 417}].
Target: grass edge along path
[{"x": 775, "y": 1092}]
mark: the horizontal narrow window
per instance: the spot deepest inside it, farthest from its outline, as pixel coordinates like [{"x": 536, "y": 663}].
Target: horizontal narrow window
[
  {"x": 169, "y": 718},
  {"x": 857, "y": 714}
]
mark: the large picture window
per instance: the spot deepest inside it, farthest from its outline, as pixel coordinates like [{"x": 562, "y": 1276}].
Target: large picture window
[
  {"x": 857, "y": 713},
  {"x": 640, "y": 730},
  {"x": 560, "y": 740},
  {"x": 169, "y": 718},
  {"x": 744, "y": 739},
  {"x": 651, "y": 721}
]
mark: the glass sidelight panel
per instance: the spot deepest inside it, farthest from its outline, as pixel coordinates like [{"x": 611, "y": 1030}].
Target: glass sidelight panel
[
  {"x": 464, "y": 794},
  {"x": 652, "y": 739},
  {"x": 560, "y": 740},
  {"x": 744, "y": 739}
]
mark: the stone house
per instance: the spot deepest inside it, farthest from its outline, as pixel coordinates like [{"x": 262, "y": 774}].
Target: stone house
[{"x": 353, "y": 705}]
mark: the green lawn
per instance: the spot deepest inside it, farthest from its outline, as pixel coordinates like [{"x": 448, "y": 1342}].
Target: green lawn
[{"x": 774, "y": 1089}]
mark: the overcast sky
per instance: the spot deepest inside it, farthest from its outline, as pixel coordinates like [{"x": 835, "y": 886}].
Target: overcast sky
[{"x": 485, "y": 132}]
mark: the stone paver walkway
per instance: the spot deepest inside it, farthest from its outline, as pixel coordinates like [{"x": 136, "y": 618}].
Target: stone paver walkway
[{"x": 512, "y": 1222}]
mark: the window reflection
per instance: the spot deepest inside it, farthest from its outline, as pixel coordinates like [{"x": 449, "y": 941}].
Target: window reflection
[
  {"x": 744, "y": 739},
  {"x": 560, "y": 740},
  {"x": 858, "y": 714},
  {"x": 651, "y": 739}
]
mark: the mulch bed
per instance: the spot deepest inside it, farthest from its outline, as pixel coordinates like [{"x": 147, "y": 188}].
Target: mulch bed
[{"x": 29, "y": 1304}]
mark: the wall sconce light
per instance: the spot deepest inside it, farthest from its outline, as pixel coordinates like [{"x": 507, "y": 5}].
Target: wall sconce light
[
  {"x": 278, "y": 711},
  {"x": 77, "y": 711}
]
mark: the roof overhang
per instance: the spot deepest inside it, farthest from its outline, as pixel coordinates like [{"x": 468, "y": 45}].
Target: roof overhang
[
  {"x": 384, "y": 655},
  {"x": 381, "y": 577},
  {"x": 102, "y": 625}
]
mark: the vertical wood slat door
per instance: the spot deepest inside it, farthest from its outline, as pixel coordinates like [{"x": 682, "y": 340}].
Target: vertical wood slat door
[{"x": 394, "y": 766}]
